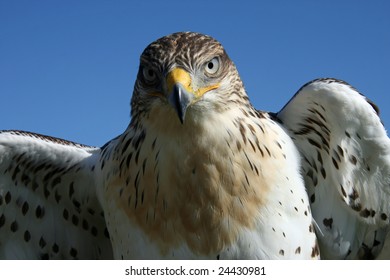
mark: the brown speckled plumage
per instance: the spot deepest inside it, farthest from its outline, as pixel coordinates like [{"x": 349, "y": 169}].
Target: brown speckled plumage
[{"x": 199, "y": 173}]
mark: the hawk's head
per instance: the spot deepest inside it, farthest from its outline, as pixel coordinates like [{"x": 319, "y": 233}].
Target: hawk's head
[{"x": 187, "y": 72}]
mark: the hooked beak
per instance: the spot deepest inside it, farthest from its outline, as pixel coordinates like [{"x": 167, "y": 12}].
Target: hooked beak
[
  {"x": 181, "y": 93},
  {"x": 180, "y": 99}
]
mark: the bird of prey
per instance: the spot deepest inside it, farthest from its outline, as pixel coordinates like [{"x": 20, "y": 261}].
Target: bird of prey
[{"x": 199, "y": 173}]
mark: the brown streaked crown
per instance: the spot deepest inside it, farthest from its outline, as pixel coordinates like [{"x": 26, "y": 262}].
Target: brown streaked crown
[{"x": 183, "y": 48}]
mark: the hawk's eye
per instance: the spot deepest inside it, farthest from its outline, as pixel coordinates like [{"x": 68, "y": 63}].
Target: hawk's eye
[
  {"x": 212, "y": 66},
  {"x": 149, "y": 74}
]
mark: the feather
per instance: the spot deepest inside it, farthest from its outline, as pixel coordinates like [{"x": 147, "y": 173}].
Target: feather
[
  {"x": 346, "y": 166},
  {"x": 48, "y": 203}
]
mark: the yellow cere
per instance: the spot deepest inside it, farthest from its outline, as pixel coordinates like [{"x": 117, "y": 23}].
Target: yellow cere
[{"x": 179, "y": 75}]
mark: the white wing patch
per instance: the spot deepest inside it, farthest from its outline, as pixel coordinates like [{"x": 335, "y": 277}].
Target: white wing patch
[
  {"x": 48, "y": 205},
  {"x": 346, "y": 165}
]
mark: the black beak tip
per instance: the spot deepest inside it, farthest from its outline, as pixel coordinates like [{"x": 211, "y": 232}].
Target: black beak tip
[
  {"x": 181, "y": 119},
  {"x": 180, "y": 100}
]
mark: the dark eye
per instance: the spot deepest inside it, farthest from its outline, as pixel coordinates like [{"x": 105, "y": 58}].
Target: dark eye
[
  {"x": 212, "y": 66},
  {"x": 149, "y": 74}
]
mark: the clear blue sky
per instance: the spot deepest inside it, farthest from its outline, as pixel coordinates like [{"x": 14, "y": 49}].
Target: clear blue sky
[{"x": 67, "y": 68}]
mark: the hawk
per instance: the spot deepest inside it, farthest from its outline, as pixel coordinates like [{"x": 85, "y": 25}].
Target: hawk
[{"x": 199, "y": 173}]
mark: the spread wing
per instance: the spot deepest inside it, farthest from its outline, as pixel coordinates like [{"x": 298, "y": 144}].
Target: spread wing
[
  {"x": 48, "y": 205},
  {"x": 346, "y": 166}
]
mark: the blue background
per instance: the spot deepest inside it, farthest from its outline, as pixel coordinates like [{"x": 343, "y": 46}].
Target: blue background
[{"x": 67, "y": 68}]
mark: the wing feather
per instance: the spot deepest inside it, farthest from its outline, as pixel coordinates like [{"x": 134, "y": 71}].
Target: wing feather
[
  {"x": 48, "y": 203},
  {"x": 346, "y": 165}
]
